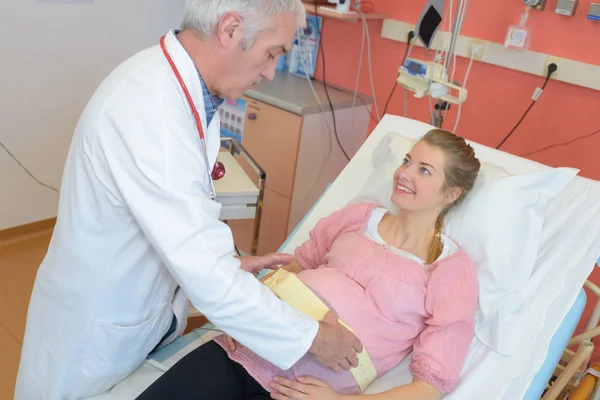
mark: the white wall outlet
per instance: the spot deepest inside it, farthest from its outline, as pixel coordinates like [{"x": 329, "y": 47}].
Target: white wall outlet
[
  {"x": 398, "y": 31},
  {"x": 549, "y": 61},
  {"x": 477, "y": 46},
  {"x": 411, "y": 28}
]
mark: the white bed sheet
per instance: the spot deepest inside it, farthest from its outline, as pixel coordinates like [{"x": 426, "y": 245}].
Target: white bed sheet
[{"x": 559, "y": 274}]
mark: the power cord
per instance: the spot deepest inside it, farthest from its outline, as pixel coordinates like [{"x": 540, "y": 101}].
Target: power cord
[
  {"x": 358, "y": 96},
  {"x": 370, "y": 60},
  {"x": 26, "y": 170},
  {"x": 411, "y": 36},
  {"x": 552, "y": 68},
  {"x": 561, "y": 144},
  {"x": 337, "y": 138},
  {"x": 329, "y": 134}
]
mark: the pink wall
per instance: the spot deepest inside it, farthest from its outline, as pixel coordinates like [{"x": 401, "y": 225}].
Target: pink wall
[{"x": 497, "y": 96}]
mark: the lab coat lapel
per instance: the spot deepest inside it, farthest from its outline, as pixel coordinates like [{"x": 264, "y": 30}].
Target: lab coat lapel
[{"x": 189, "y": 74}]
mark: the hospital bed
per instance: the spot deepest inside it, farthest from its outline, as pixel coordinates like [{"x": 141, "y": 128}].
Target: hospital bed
[{"x": 552, "y": 304}]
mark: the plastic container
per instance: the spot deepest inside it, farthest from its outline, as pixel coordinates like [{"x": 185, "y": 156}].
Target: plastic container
[{"x": 518, "y": 36}]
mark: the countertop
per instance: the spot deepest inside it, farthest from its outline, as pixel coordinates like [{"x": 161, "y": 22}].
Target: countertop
[{"x": 292, "y": 93}]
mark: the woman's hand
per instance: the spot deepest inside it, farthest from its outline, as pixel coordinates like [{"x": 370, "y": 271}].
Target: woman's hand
[
  {"x": 230, "y": 342},
  {"x": 305, "y": 388}
]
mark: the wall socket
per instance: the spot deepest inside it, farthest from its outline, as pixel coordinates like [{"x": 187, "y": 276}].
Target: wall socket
[
  {"x": 549, "y": 61},
  {"x": 477, "y": 45}
]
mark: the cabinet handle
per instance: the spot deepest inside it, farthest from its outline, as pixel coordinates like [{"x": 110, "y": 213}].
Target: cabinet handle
[{"x": 252, "y": 116}]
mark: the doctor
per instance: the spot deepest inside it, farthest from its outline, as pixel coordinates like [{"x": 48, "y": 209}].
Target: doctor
[{"x": 137, "y": 232}]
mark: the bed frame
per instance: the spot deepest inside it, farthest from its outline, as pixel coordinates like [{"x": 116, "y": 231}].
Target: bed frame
[{"x": 574, "y": 363}]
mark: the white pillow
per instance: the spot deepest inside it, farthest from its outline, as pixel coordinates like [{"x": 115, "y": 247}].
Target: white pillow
[{"x": 499, "y": 225}]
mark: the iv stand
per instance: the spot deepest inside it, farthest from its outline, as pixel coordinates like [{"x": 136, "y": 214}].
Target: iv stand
[{"x": 437, "y": 114}]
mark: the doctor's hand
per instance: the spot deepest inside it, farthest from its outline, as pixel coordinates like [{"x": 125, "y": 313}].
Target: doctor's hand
[
  {"x": 335, "y": 346},
  {"x": 254, "y": 264}
]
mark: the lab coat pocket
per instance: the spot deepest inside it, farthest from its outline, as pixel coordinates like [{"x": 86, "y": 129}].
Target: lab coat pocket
[{"x": 116, "y": 350}]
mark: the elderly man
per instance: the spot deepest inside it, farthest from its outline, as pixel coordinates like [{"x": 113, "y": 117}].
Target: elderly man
[{"x": 138, "y": 232}]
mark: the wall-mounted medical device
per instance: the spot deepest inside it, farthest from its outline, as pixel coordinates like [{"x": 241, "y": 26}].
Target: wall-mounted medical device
[
  {"x": 431, "y": 79},
  {"x": 566, "y": 7},
  {"x": 594, "y": 13},
  {"x": 535, "y": 4},
  {"x": 341, "y": 5}
]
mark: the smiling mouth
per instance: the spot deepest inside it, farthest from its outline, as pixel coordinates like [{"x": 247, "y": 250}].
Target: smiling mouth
[{"x": 404, "y": 189}]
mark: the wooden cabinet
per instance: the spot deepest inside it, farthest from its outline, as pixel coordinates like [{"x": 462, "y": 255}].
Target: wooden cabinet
[
  {"x": 300, "y": 157},
  {"x": 271, "y": 136}
]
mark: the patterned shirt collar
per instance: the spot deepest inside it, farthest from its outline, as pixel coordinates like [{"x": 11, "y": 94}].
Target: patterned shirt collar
[{"x": 211, "y": 103}]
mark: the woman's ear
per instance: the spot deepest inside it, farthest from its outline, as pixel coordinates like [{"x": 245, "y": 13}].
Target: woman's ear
[{"x": 452, "y": 194}]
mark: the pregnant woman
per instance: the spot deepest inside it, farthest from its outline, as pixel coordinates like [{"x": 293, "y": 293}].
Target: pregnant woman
[{"x": 396, "y": 280}]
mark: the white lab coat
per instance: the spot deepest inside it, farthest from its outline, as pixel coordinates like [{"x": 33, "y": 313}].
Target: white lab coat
[{"x": 135, "y": 220}]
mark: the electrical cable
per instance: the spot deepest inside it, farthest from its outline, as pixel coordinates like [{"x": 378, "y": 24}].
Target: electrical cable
[
  {"x": 26, "y": 170},
  {"x": 370, "y": 61},
  {"x": 405, "y": 103},
  {"x": 329, "y": 135},
  {"x": 370, "y": 3},
  {"x": 439, "y": 52},
  {"x": 358, "y": 97},
  {"x": 409, "y": 46},
  {"x": 561, "y": 144},
  {"x": 464, "y": 85},
  {"x": 550, "y": 72},
  {"x": 459, "y": 23},
  {"x": 337, "y": 138},
  {"x": 364, "y": 102},
  {"x": 432, "y": 114},
  {"x": 360, "y": 62}
]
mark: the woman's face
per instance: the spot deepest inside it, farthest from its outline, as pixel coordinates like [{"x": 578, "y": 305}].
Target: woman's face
[{"x": 419, "y": 182}]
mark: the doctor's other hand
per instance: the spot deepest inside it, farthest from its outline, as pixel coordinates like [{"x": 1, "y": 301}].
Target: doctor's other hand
[
  {"x": 270, "y": 261},
  {"x": 335, "y": 346}
]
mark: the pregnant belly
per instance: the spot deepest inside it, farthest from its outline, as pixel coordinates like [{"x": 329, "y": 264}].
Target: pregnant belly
[{"x": 386, "y": 341}]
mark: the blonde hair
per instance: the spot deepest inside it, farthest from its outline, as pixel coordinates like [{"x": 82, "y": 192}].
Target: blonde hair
[{"x": 460, "y": 171}]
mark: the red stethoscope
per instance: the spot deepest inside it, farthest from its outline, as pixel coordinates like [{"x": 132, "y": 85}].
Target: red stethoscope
[{"x": 218, "y": 171}]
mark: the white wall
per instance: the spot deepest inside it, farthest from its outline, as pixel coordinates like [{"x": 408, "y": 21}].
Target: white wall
[{"x": 52, "y": 58}]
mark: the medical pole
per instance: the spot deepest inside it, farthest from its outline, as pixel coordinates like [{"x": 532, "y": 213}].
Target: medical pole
[{"x": 458, "y": 21}]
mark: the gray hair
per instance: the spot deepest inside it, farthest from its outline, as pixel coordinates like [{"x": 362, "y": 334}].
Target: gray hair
[{"x": 203, "y": 15}]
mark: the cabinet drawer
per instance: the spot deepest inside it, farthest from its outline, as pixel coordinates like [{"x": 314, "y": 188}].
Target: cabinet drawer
[
  {"x": 273, "y": 227},
  {"x": 272, "y": 137}
]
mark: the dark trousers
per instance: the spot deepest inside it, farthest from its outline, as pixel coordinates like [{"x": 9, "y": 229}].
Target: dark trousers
[{"x": 206, "y": 373}]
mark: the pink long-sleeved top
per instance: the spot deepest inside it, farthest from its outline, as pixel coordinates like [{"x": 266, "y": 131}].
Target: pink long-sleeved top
[{"x": 394, "y": 305}]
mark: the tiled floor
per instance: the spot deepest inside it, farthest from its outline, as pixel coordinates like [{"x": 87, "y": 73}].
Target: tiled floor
[{"x": 18, "y": 264}]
